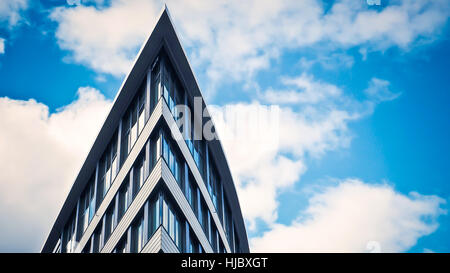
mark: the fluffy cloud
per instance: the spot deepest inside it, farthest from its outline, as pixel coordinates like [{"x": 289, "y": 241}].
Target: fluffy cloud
[
  {"x": 265, "y": 163},
  {"x": 267, "y": 146},
  {"x": 378, "y": 90},
  {"x": 40, "y": 154},
  {"x": 311, "y": 91},
  {"x": 10, "y": 11},
  {"x": 233, "y": 40},
  {"x": 108, "y": 39},
  {"x": 354, "y": 216}
]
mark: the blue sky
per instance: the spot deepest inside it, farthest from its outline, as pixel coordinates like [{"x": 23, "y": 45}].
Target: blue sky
[{"x": 363, "y": 93}]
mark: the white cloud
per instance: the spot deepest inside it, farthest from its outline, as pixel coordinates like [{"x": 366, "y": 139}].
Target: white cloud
[
  {"x": 233, "y": 40},
  {"x": 354, "y": 216},
  {"x": 2, "y": 46},
  {"x": 310, "y": 91},
  {"x": 267, "y": 149},
  {"x": 269, "y": 161},
  {"x": 10, "y": 11},
  {"x": 328, "y": 61},
  {"x": 107, "y": 39},
  {"x": 40, "y": 154},
  {"x": 378, "y": 90}
]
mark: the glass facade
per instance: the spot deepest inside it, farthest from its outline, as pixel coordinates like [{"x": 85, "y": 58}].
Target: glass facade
[{"x": 161, "y": 210}]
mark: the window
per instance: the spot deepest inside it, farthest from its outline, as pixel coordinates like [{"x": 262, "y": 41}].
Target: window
[
  {"x": 214, "y": 188},
  {"x": 228, "y": 225},
  {"x": 109, "y": 165},
  {"x": 122, "y": 246},
  {"x": 97, "y": 243},
  {"x": 133, "y": 121},
  {"x": 69, "y": 235},
  {"x": 91, "y": 200},
  {"x": 165, "y": 148},
  {"x": 139, "y": 177},
  {"x": 106, "y": 176},
  {"x": 171, "y": 223},
  {"x": 171, "y": 158},
  {"x": 124, "y": 197},
  {"x": 87, "y": 207},
  {"x": 126, "y": 121},
  {"x": 204, "y": 218},
  {"x": 154, "y": 217},
  {"x": 133, "y": 129},
  {"x": 172, "y": 91},
  {"x": 109, "y": 221},
  {"x": 156, "y": 84},
  {"x": 194, "y": 245},
  {"x": 191, "y": 193},
  {"x": 138, "y": 235},
  {"x": 213, "y": 239},
  {"x": 114, "y": 160},
  {"x": 165, "y": 213},
  {"x": 199, "y": 156},
  {"x": 141, "y": 107}
]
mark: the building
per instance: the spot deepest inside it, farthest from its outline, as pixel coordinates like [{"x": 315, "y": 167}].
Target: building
[{"x": 143, "y": 187}]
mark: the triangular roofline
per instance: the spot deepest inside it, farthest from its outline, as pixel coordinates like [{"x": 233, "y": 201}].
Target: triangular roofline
[{"x": 164, "y": 35}]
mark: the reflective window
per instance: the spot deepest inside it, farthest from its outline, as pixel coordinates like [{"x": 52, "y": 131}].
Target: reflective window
[
  {"x": 109, "y": 221},
  {"x": 122, "y": 246},
  {"x": 139, "y": 174},
  {"x": 172, "y": 159},
  {"x": 108, "y": 165},
  {"x": 141, "y": 107},
  {"x": 125, "y": 197},
  {"x": 191, "y": 193},
  {"x": 69, "y": 240},
  {"x": 87, "y": 207},
  {"x": 171, "y": 222},
  {"x": 154, "y": 216},
  {"x": 133, "y": 121},
  {"x": 97, "y": 244},
  {"x": 138, "y": 235}
]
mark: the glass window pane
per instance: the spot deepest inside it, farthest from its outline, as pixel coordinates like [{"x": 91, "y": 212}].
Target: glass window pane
[
  {"x": 141, "y": 176},
  {"x": 107, "y": 181},
  {"x": 133, "y": 134},
  {"x": 165, "y": 150},
  {"x": 165, "y": 215},
  {"x": 171, "y": 163},
  {"x": 114, "y": 167},
  {"x": 141, "y": 120},
  {"x": 171, "y": 224}
]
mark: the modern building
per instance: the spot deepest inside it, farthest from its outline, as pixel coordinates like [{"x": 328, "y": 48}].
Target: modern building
[{"x": 143, "y": 187}]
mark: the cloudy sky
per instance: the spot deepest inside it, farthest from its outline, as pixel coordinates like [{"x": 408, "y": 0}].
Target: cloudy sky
[{"x": 361, "y": 161}]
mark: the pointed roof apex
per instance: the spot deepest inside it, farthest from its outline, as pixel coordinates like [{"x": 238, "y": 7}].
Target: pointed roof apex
[{"x": 163, "y": 36}]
